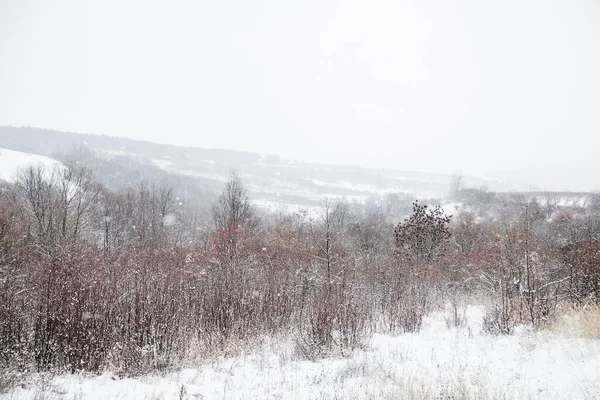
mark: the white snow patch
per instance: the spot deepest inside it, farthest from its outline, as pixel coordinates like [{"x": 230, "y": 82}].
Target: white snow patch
[
  {"x": 120, "y": 153},
  {"x": 355, "y": 186},
  {"x": 452, "y": 208},
  {"x": 11, "y": 162},
  {"x": 173, "y": 168},
  {"x": 170, "y": 219},
  {"x": 162, "y": 164}
]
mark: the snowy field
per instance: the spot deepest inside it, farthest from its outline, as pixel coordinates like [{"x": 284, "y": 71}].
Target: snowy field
[{"x": 439, "y": 362}]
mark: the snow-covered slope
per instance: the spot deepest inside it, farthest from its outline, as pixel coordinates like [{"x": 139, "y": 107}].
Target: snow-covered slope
[
  {"x": 12, "y": 161},
  {"x": 273, "y": 182},
  {"x": 437, "y": 363}
]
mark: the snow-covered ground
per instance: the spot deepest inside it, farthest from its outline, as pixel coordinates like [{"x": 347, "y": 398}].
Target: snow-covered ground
[
  {"x": 12, "y": 161},
  {"x": 438, "y": 362}
]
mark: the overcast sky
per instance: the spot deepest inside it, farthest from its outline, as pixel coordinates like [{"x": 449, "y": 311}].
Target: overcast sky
[{"x": 431, "y": 85}]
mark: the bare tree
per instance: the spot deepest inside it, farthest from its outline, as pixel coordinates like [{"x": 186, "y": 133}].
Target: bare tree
[
  {"x": 456, "y": 184},
  {"x": 234, "y": 210},
  {"x": 234, "y": 219},
  {"x": 77, "y": 194}
]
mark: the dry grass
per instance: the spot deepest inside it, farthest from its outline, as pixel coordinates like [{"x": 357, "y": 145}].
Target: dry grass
[
  {"x": 582, "y": 321},
  {"x": 588, "y": 321}
]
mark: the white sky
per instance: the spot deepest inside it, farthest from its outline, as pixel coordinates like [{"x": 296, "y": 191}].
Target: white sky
[{"x": 430, "y": 85}]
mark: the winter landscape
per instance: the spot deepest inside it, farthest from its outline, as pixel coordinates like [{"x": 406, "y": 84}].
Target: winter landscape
[
  {"x": 327, "y": 199},
  {"x": 136, "y": 291}
]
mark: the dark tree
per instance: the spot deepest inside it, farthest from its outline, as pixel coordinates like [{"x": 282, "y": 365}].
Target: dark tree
[{"x": 422, "y": 235}]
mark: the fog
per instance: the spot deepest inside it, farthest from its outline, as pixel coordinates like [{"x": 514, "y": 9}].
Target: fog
[{"x": 508, "y": 88}]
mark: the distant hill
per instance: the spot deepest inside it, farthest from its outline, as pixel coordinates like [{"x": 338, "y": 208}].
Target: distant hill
[{"x": 272, "y": 181}]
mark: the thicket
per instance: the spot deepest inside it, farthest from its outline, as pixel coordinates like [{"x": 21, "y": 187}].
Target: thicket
[{"x": 93, "y": 279}]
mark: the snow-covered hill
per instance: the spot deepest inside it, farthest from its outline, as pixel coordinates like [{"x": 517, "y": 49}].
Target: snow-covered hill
[
  {"x": 274, "y": 183},
  {"x": 12, "y": 161}
]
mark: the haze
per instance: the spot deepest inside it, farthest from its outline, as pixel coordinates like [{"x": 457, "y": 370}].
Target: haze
[{"x": 423, "y": 85}]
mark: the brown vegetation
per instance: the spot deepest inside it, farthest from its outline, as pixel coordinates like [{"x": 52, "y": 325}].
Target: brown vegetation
[{"x": 92, "y": 279}]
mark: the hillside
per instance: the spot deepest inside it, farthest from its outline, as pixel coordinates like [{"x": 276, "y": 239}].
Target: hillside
[
  {"x": 12, "y": 161},
  {"x": 272, "y": 181}
]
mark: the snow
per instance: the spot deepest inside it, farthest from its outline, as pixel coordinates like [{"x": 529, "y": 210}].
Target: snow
[
  {"x": 573, "y": 201},
  {"x": 285, "y": 208},
  {"x": 163, "y": 164},
  {"x": 356, "y": 186},
  {"x": 120, "y": 153},
  {"x": 170, "y": 219},
  {"x": 452, "y": 208},
  {"x": 437, "y": 362},
  {"x": 12, "y": 161},
  {"x": 171, "y": 167}
]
